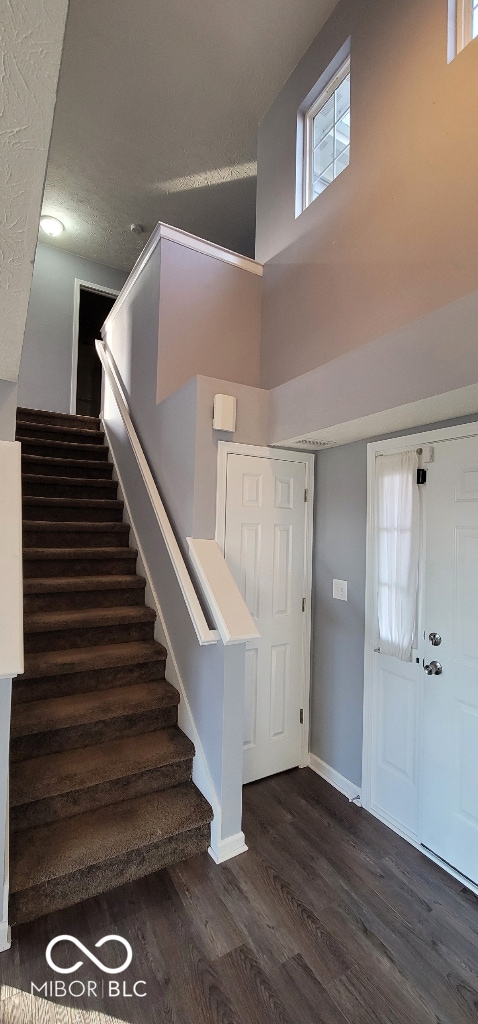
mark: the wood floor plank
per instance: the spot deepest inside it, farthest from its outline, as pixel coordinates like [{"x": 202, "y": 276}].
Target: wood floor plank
[
  {"x": 255, "y": 997},
  {"x": 322, "y": 951},
  {"x": 306, "y": 1000},
  {"x": 329, "y": 918},
  {"x": 219, "y": 930}
]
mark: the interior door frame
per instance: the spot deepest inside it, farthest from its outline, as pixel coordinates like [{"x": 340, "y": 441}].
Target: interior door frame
[
  {"x": 98, "y": 289},
  {"x": 392, "y": 446},
  {"x": 226, "y": 448}
]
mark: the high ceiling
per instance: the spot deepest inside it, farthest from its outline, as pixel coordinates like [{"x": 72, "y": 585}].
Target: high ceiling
[{"x": 157, "y": 114}]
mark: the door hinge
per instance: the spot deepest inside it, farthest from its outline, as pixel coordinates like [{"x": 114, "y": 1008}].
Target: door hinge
[
  {"x": 421, "y": 476},
  {"x": 306, "y": 494},
  {"x": 301, "y": 716},
  {"x": 303, "y": 604}
]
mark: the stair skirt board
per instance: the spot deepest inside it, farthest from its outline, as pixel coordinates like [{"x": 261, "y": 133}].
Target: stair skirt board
[
  {"x": 201, "y": 775},
  {"x": 101, "y": 786}
]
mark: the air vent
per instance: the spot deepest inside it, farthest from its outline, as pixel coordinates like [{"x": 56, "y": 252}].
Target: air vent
[{"x": 311, "y": 443}]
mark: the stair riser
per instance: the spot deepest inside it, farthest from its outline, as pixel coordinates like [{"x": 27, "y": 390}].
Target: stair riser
[
  {"x": 74, "y": 888},
  {"x": 67, "y": 639},
  {"x": 37, "y": 567},
  {"x": 58, "y": 419},
  {"x": 81, "y": 599},
  {"x": 102, "y": 471},
  {"x": 82, "y": 489},
  {"x": 31, "y": 446},
  {"x": 44, "y": 432},
  {"x": 28, "y": 689},
  {"x": 42, "y": 812},
  {"x": 37, "y": 744},
  {"x": 75, "y": 538},
  {"x": 64, "y": 514}
]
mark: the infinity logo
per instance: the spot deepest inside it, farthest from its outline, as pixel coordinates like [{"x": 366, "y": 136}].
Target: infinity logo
[{"x": 91, "y": 956}]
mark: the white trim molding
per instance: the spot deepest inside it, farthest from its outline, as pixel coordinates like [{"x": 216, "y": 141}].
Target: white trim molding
[
  {"x": 98, "y": 290},
  {"x": 339, "y": 782},
  {"x": 224, "y": 849}
]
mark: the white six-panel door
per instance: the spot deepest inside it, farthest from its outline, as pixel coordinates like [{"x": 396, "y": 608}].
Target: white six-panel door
[{"x": 265, "y": 550}]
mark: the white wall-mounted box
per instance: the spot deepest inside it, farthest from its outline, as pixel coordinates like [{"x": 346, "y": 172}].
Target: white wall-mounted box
[{"x": 224, "y": 417}]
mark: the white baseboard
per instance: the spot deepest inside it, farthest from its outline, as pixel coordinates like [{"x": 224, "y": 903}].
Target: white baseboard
[
  {"x": 349, "y": 789},
  {"x": 223, "y": 849},
  {"x": 5, "y": 936}
]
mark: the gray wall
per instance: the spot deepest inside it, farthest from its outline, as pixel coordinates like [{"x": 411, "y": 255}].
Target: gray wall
[
  {"x": 209, "y": 319},
  {"x": 251, "y": 428},
  {"x": 8, "y": 408},
  {"x": 45, "y": 369},
  {"x": 338, "y": 629},
  {"x": 394, "y": 236}
]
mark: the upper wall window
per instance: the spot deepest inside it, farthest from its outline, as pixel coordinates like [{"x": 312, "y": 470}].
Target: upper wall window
[
  {"x": 326, "y": 135},
  {"x": 466, "y": 23}
]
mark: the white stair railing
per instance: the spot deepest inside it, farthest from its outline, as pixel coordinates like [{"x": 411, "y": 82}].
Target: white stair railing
[{"x": 219, "y": 590}]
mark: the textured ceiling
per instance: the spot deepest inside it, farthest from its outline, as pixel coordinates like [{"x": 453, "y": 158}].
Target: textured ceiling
[
  {"x": 31, "y": 37},
  {"x": 157, "y": 114}
]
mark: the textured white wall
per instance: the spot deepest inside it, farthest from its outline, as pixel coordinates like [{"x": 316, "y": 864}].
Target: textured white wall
[{"x": 31, "y": 39}]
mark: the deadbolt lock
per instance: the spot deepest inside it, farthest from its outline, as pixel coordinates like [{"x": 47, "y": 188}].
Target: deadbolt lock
[{"x": 435, "y": 639}]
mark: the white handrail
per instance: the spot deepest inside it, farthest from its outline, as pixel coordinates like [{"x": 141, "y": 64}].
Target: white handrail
[
  {"x": 204, "y": 634},
  {"x": 224, "y": 599}
]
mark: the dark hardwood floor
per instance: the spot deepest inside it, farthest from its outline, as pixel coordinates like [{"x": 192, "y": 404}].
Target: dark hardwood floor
[{"x": 330, "y": 918}]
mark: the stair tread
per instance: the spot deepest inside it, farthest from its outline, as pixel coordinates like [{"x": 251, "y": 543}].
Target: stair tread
[
  {"x": 59, "y": 429},
  {"x": 85, "y": 659},
  {"x": 49, "y": 526},
  {"x": 58, "y": 584},
  {"x": 45, "y": 622},
  {"x": 70, "y": 770},
  {"x": 63, "y": 847},
  {"x": 80, "y": 503},
  {"x": 62, "y": 445},
  {"x": 68, "y": 481},
  {"x": 49, "y": 460},
  {"x": 95, "y": 420},
  {"x": 54, "y": 554},
  {"x": 76, "y": 709}
]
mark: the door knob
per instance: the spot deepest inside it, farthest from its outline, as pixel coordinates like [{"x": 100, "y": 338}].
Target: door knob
[
  {"x": 433, "y": 669},
  {"x": 435, "y": 639}
]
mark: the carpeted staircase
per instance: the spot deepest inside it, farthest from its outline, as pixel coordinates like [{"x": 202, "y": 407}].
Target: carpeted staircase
[{"x": 100, "y": 786}]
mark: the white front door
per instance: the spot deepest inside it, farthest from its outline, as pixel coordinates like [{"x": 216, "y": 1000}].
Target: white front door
[
  {"x": 265, "y": 549},
  {"x": 449, "y": 791},
  {"x": 395, "y": 741}
]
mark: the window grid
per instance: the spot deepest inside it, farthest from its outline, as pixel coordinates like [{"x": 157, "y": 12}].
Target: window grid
[
  {"x": 474, "y": 20},
  {"x": 466, "y": 22},
  {"x": 327, "y": 135}
]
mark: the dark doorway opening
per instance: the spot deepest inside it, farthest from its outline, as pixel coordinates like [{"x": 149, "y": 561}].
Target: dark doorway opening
[{"x": 94, "y": 308}]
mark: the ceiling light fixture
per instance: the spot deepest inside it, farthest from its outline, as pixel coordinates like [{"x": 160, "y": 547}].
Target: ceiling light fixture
[{"x": 52, "y": 226}]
